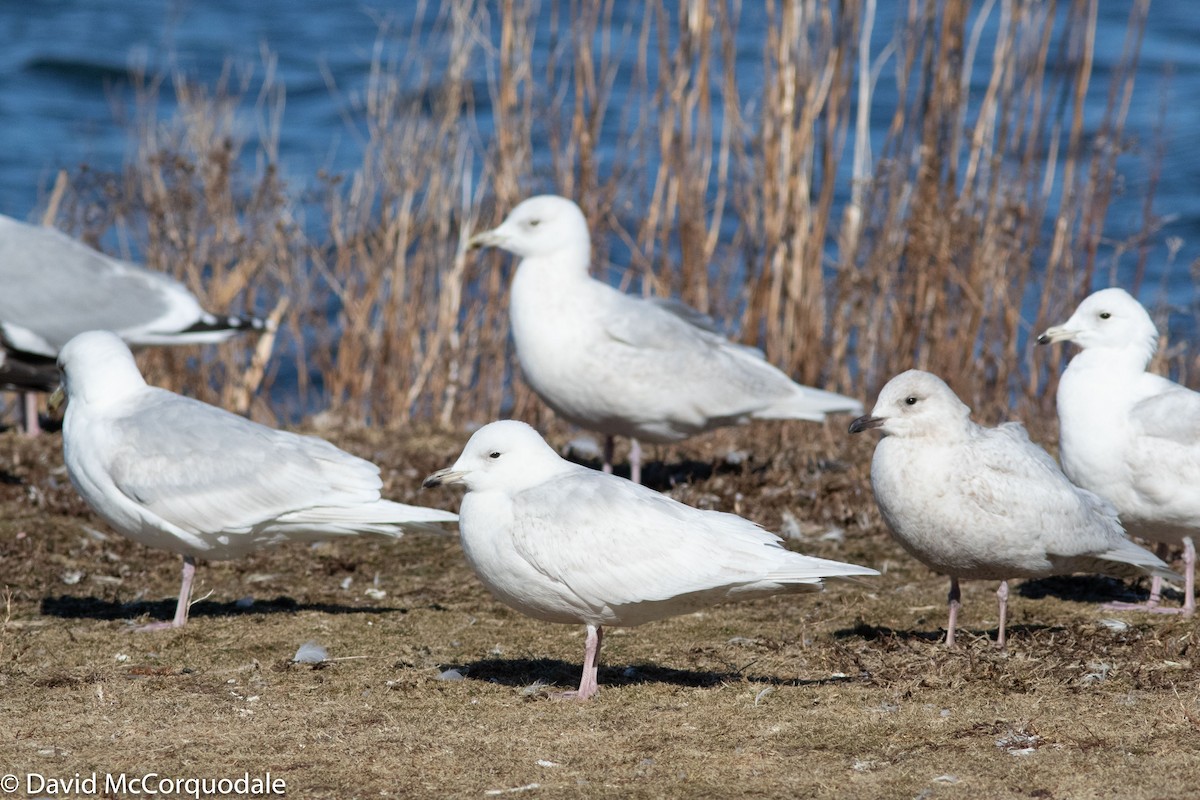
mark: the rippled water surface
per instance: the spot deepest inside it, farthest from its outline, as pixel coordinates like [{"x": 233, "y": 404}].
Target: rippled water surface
[{"x": 64, "y": 66}]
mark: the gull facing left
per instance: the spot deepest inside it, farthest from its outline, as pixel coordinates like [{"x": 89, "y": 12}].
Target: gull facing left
[
  {"x": 975, "y": 502},
  {"x": 563, "y": 543},
  {"x": 651, "y": 369},
  {"x": 177, "y": 474}
]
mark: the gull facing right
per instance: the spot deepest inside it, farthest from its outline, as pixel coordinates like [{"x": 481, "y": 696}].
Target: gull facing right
[
  {"x": 563, "y": 543},
  {"x": 651, "y": 369},
  {"x": 974, "y": 502},
  {"x": 56, "y": 287},
  {"x": 1129, "y": 435}
]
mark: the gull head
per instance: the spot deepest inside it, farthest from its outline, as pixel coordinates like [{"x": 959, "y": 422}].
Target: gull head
[
  {"x": 506, "y": 456},
  {"x": 1109, "y": 318},
  {"x": 97, "y": 367},
  {"x": 914, "y": 404},
  {"x": 540, "y": 226}
]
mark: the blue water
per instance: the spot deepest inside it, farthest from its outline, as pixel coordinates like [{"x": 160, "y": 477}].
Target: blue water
[{"x": 64, "y": 67}]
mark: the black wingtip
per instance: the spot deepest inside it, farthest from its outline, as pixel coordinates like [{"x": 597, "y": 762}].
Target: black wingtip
[{"x": 214, "y": 324}]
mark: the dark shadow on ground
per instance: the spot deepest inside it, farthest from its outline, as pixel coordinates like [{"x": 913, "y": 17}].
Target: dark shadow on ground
[
  {"x": 68, "y": 607},
  {"x": 1085, "y": 589},
  {"x": 660, "y": 475},
  {"x": 533, "y": 673},
  {"x": 883, "y": 634}
]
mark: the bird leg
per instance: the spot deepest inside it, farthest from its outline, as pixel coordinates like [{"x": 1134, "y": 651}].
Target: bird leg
[
  {"x": 1189, "y": 591},
  {"x": 1189, "y": 576},
  {"x": 955, "y": 602},
  {"x": 609, "y": 446},
  {"x": 588, "y": 683},
  {"x": 1002, "y": 598},
  {"x": 30, "y": 403},
  {"x": 635, "y": 461},
  {"x": 181, "y": 608}
]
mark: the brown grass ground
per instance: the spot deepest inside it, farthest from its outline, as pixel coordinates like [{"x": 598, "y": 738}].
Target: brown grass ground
[{"x": 846, "y": 694}]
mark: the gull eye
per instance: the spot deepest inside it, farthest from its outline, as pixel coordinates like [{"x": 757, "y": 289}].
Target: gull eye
[
  {"x": 494, "y": 454},
  {"x": 533, "y": 223},
  {"x": 911, "y": 400},
  {"x": 1105, "y": 315}
]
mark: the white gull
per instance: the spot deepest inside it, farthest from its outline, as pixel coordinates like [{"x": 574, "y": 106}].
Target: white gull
[
  {"x": 651, "y": 369},
  {"x": 974, "y": 502},
  {"x": 1128, "y": 435},
  {"x": 177, "y": 474},
  {"x": 563, "y": 543}
]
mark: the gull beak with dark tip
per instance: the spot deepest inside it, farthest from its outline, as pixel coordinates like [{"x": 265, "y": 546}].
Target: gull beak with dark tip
[
  {"x": 444, "y": 477},
  {"x": 57, "y": 398},
  {"x": 866, "y": 423},
  {"x": 485, "y": 239},
  {"x": 1059, "y": 333}
]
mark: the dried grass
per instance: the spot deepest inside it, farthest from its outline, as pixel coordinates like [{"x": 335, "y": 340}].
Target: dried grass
[
  {"x": 847, "y": 693},
  {"x": 977, "y": 220}
]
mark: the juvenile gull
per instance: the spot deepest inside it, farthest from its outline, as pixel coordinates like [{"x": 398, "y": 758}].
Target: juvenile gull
[
  {"x": 974, "y": 502},
  {"x": 563, "y": 543},
  {"x": 1128, "y": 435},
  {"x": 180, "y": 475},
  {"x": 56, "y": 287},
  {"x": 648, "y": 368}
]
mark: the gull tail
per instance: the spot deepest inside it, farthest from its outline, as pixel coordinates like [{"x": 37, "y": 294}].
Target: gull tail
[
  {"x": 802, "y": 569},
  {"x": 1134, "y": 560},
  {"x": 809, "y": 404},
  {"x": 383, "y": 517}
]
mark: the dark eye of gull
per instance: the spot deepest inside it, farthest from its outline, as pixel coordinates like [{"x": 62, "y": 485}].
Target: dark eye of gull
[
  {"x": 1105, "y": 315},
  {"x": 494, "y": 454},
  {"x": 533, "y": 223},
  {"x": 911, "y": 400}
]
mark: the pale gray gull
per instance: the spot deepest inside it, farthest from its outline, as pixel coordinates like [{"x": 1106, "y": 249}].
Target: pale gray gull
[
  {"x": 56, "y": 287},
  {"x": 974, "y": 502},
  {"x": 180, "y": 475},
  {"x": 563, "y": 543},
  {"x": 651, "y": 369},
  {"x": 1128, "y": 435}
]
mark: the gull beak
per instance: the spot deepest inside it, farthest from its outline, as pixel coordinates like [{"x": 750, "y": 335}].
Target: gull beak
[
  {"x": 1059, "y": 333},
  {"x": 486, "y": 239},
  {"x": 866, "y": 423},
  {"x": 444, "y": 477},
  {"x": 57, "y": 398}
]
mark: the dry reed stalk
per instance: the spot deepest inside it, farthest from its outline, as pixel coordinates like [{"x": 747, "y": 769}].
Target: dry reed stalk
[{"x": 975, "y": 219}]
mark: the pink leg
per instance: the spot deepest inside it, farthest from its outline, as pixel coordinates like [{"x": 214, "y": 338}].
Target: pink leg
[
  {"x": 955, "y": 601},
  {"x": 588, "y": 683},
  {"x": 635, "y": 461},
  {"x": 1189, "y": 590},
  {"x": 606, "y": 467},
  {"x": 1002, "y": 598},
  {"x": 1189, "y": 576},
  {"x": 181, "y": 608},
  {"x": 32, "y": 426}
]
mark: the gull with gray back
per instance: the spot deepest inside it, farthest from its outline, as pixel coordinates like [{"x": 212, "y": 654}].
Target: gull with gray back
[
  {"x": 56, "y": 287},
  {"x": 177, "y": 474},
  {"x": 1128, "y": 435},
  {"x": 651, "y": 369},
  {"x": 563, "y": 543}
]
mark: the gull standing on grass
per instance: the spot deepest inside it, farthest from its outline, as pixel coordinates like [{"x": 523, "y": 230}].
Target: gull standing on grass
[
  {"x": 651, "y": 369},
  {"x": 178, "y": 474},
  {"x": 563, "y": 543},
  {"x": 974, "y": 502},
  {"x": 56, "y": 287},
  {"x": 1128, "y": 435}
]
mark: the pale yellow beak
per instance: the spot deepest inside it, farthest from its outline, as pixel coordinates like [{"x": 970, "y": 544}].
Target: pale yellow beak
[
  {"x": 444, "y": 477},
  {"x": 1059, "y": 333},
  {"x": 57, "y": 398}
]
